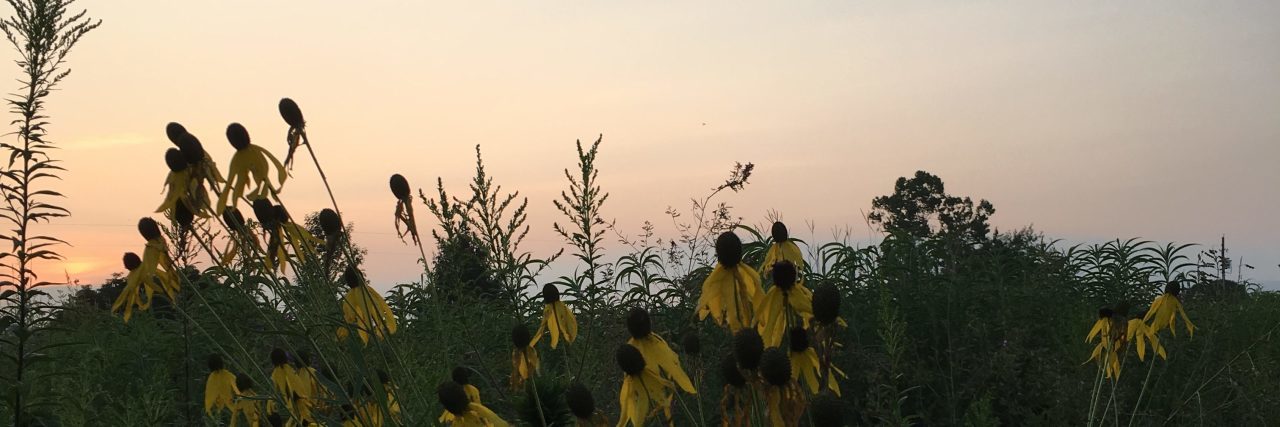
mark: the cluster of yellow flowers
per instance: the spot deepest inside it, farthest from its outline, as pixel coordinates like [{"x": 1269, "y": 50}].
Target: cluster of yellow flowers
[{"x": 1114, "y": 332}]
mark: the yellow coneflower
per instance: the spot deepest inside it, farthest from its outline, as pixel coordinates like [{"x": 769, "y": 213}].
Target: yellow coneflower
[
  {"x": 393, "y": 404},
  {"x": 280, "y": 230},
  {"x": 1105, "y": 352},
  {"x": 285, "y": 381},
  {"x": 787, "y": 303},
  {"x": 643, "y": 391},
  {"x": 524, "y": 356},
  {"x": 364, "y": 309},
  {"x": 784, "y": 400},
  {"x": 782, "y": 248},
  {"x": 202, "y": 168},
  {"x": 247, "y": 405},
  {"x": 557, "y": 319},
  {"x": 583, "y": 407},
  {"x": 732, "y": 290},
  {"x": 151, "y": 273},
  {"x": 1165, "y": 310},
  {"x": 462, "y": 376},
  {"x": 309, "y": 382},
  {"x": 220, "y": 387},
  {"x": 660, "y": 357},
  {"x": 1140, "y": 334},
  {"x": 459, "y": 411},
  {"x": 404, "y": 209},
  {"x": 804, "y": 360},
  {"x": 191, "y": 173},
  {"x": 249, "y": 166}
]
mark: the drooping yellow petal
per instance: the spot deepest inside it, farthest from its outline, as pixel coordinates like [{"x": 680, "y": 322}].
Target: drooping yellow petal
[{"x": 219, "y": 390}]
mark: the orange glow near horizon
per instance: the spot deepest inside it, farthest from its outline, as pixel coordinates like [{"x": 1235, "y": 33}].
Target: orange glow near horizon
[{"x": 1088, "y": 121}]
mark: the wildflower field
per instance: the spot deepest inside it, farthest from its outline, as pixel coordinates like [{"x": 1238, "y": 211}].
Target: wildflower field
[{"x": 240, "y": 309}]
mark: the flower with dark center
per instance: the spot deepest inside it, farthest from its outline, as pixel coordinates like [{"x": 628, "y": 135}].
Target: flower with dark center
[
  {"x": 459, "y": 410},
  {"x": 775, "y": 367},
  {"x": 174, "y": 131},
  {"x": 642, "y": 388},
  {"x": 1105, "y": 352},
  {"x": 655, "y": 349},
  {"x": 149, "y": 229},
  {"x": 638, "y": 323},
  {"x": 330, "y": 222},
  {"x": 363, "y": 309},
  {"x": 580, "y": 401},
  {"x": 174, "y": 160},
  {"x": 630, "y": 359},
  {"x": 400, "y": 187},
  {"x": 453, "y": 398},
  {"x": 291, "y": 114},
  {"x": 804, "y": 362},
  {"x": 731, "y": 293},
  {"x": 827, "y": 411},
  {"x": 248, "y": 175},
  {"x": 747, "y": 348},
  {"x": 461, "y": 375},
  {"x": 131, "y": 261},
  {"x": 557, "y": 319},
  {"x": 780, "y": 249},
  {"x": 728, "y": 249},
  {"x": 799, "y": 339},
  {"x": 729, "y": 370},
  {"x": 785, "y": 304},
  {"x": 244, "y": 382},
  {"x": 690, "y": 343},
  {"x": 219, "y": 387},
  {"x": 1166, "y": 309},
  {"x": 524, "y": 355},
  {"x": 826, "y": 304}
]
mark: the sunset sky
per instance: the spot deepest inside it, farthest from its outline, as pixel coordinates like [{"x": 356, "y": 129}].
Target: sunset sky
[{"x": 1088, "y": 120}]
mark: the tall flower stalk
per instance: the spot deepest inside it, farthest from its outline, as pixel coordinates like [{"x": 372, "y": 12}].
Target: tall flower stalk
[{"x": 43, "y": 33}]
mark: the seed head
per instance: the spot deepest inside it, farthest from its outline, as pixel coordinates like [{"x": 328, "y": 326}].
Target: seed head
[
  {"x": 131, "y": 261},
  {"x": 383, "y": 377},
  {"x": 192, "y": 149},
  {"x": 780, "y": 232},
  {"x": 550, "y": 294},
  {"x": 520, "y": 336},
  {"x": 244, "y": 382},
  {"x": 580, "y": 401},
  {"x": 330, "y": 222},
  {"x": 400, "y": 187},
  {"x": 149, "y": 229},
  {"x": 638, "y": 323},
  {"x": 291, "y": 113},
  {"x": 775, "y": 367},
  {"x": 827, "y": 411},
  {"x": 728, "y": 249},
  {"x": 238, "y": 136},
  {"x": 826, "y": 303},
  {"x": 279, "y": 357},
  {"x": 352, "y": 277},
  {"x": 215, "y": 362},
  {"x": 630, "y": 359},
  {"x": 183, "y": 216},
  {"x": 453, "y": 397},
  {"x": 266, "y": 213},
  {"x": 690, "y": 343},
  {"x": 1173, "y": 288},
  {"x": 799, "y": 339},
  {"x": 461, "y": 375},
  {"x": 174, "y": 160},
  {"x": 1105, "y": 313},
  {"x": 729, "y": 370},
  {"x": 747, "y": 347},
  {"x": 784, "y": 275},
  {"x": 233, "y": 218},
  {"x": 174, "y": 131}
]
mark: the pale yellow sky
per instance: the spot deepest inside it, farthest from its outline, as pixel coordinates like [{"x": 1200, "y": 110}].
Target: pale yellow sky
[{"x": 1090, "y": 120}]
